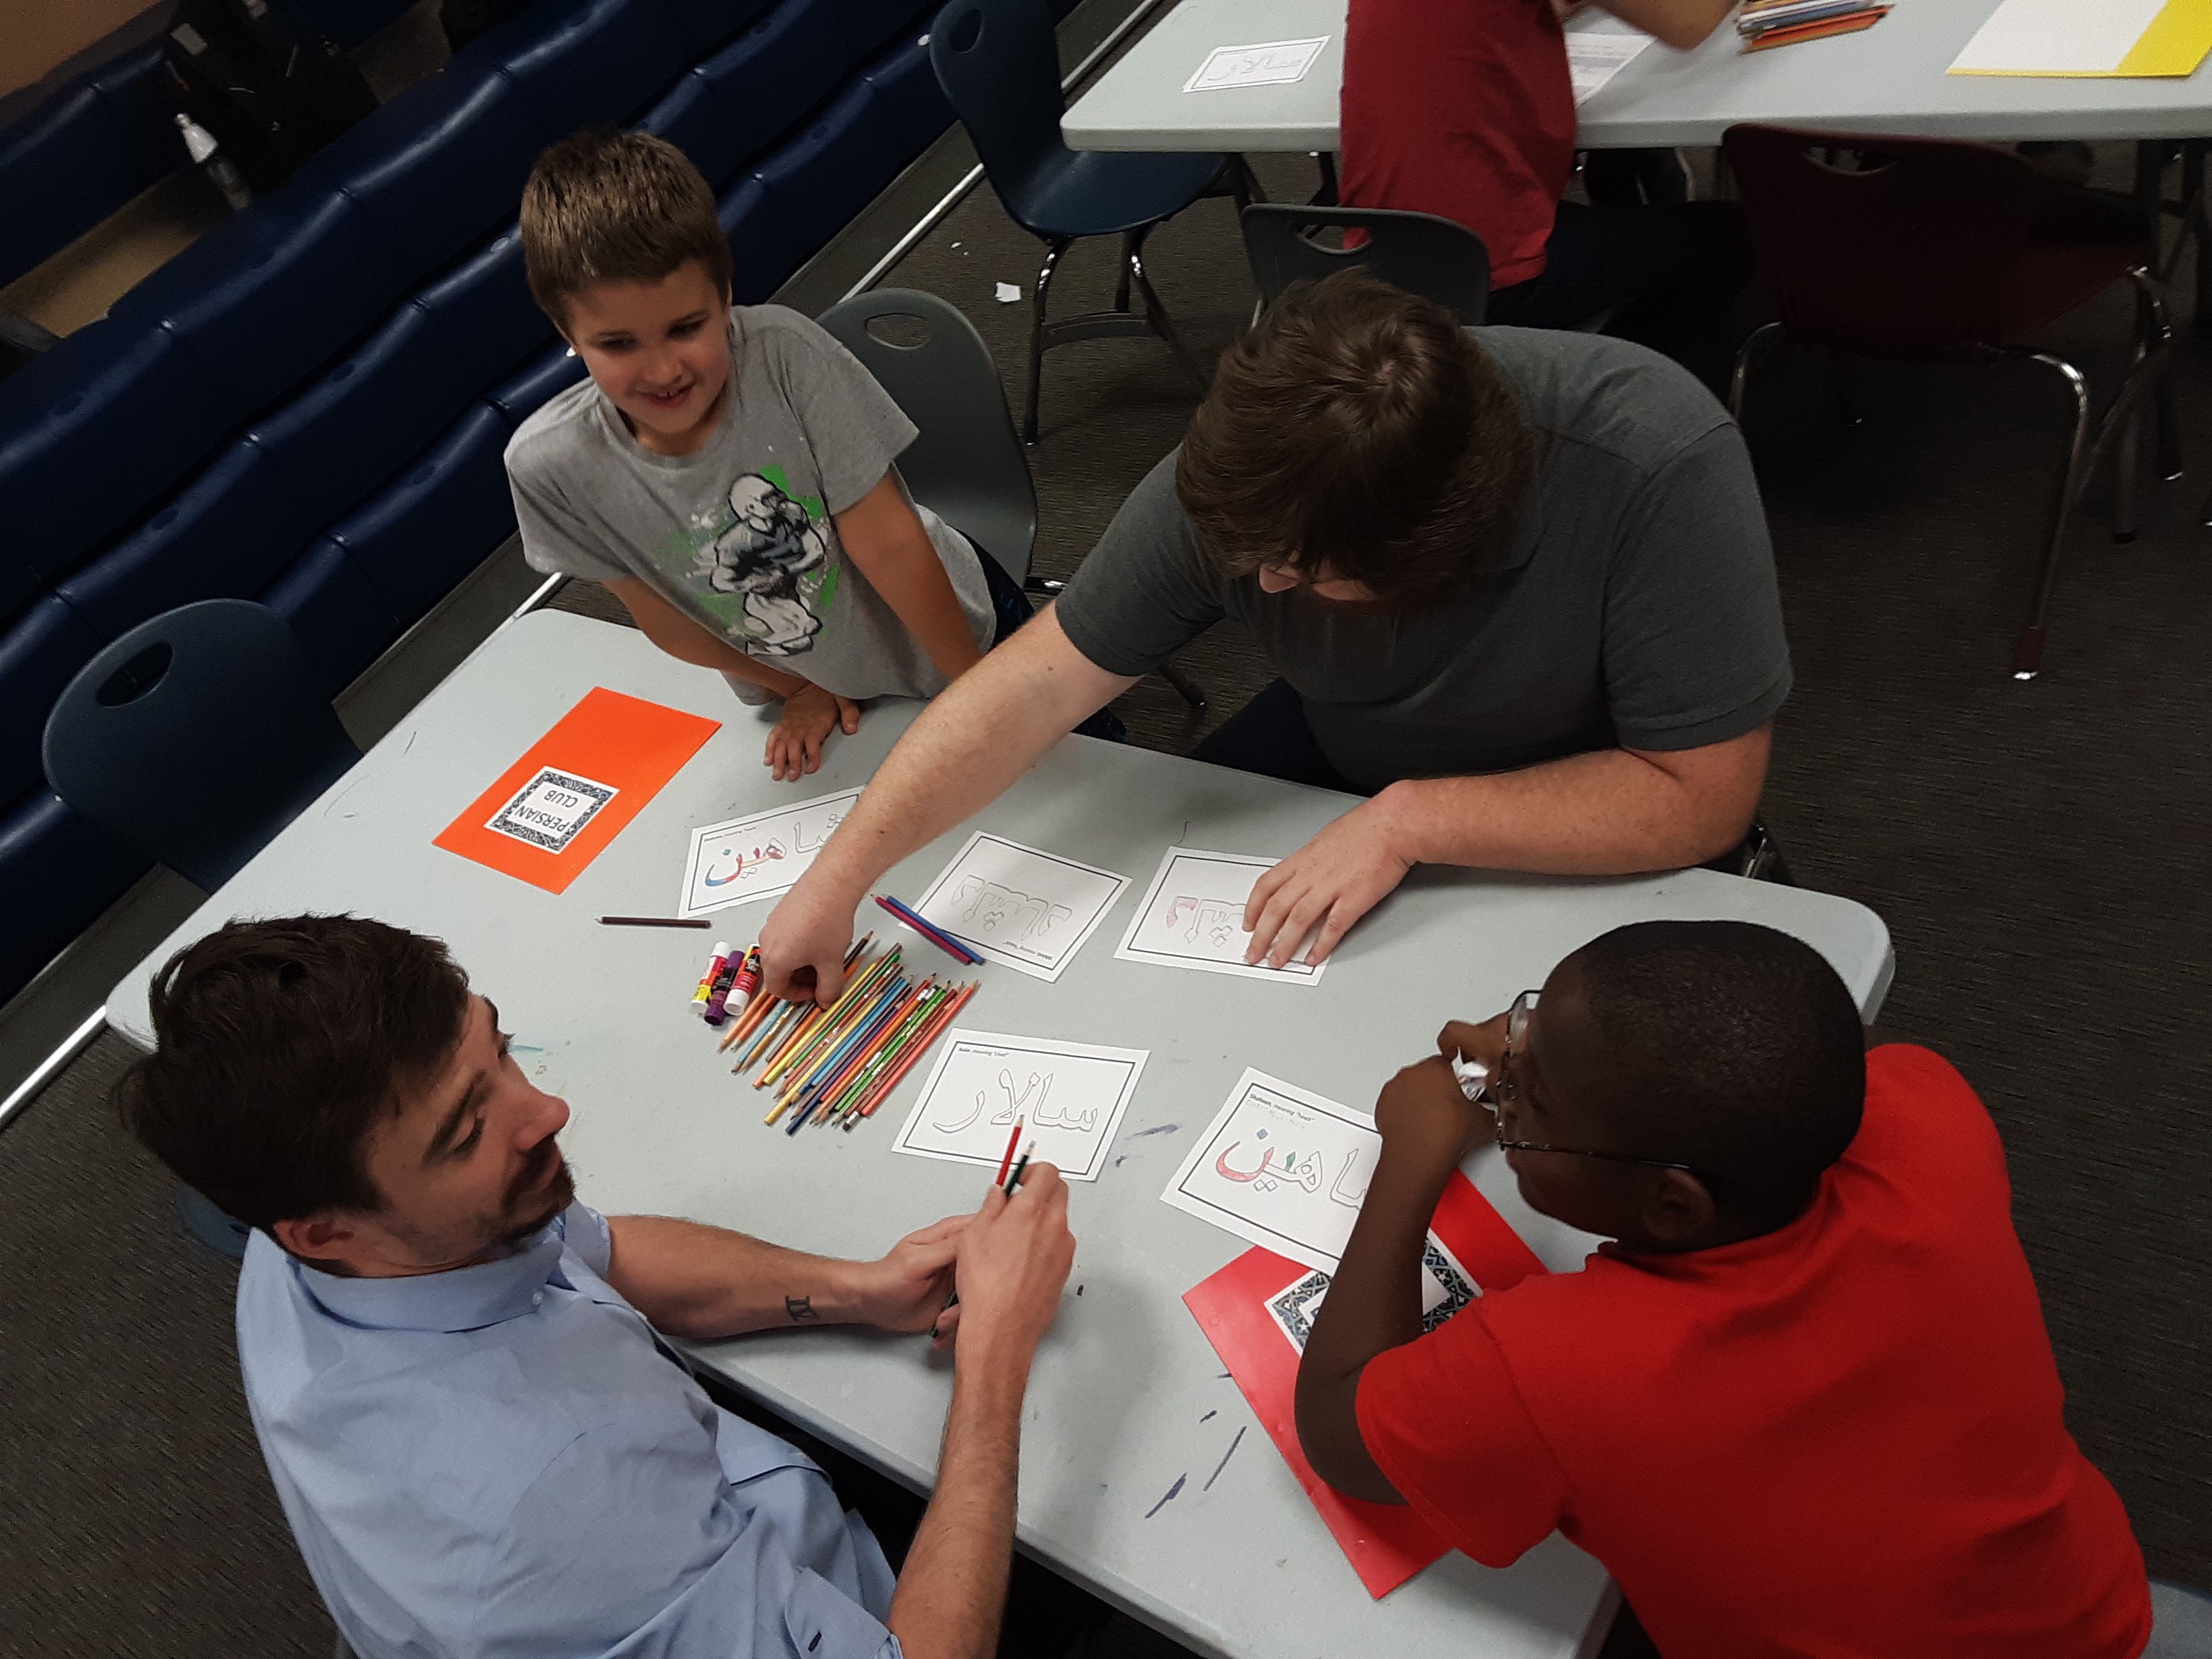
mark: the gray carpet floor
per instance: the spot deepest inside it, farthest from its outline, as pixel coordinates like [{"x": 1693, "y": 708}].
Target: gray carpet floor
[{"x": 2039, "y": 852}]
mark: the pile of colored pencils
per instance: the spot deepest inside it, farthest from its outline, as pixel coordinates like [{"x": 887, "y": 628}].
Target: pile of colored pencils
[
  {"x": 835, "y": 1063},
  {"x": 1765, "y": 23}
]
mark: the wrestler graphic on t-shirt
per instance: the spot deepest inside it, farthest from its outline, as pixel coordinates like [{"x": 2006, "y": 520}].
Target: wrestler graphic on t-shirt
[{"x": 762, "y": 556}]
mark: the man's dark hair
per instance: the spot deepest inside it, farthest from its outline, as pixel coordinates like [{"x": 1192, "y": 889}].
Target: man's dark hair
[
  {"x": 1731, "y": 1046},
  {"x": 1356, "y": 432},
  {"x": 281, "y": 1044}
]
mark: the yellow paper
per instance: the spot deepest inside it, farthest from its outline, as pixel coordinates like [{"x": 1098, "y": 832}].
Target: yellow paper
[
  {"x": 2175, "y": 43},
  {"x": 2074, "y": 40}
]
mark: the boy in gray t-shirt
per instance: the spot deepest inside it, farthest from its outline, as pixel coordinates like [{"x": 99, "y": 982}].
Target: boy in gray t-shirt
[{"x": 728, "y": 473}]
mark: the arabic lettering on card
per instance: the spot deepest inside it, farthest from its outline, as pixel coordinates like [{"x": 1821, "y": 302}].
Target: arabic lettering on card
[
  {"x": 1067, "y": 1097},
  {"x": 759, "y": 855},
  {"x": 1282, "y": 1167},
  {"x": 1021, "y": 908},
  {"x": 1193, "y": 916},
  {"x": 1265, "y": 64}
]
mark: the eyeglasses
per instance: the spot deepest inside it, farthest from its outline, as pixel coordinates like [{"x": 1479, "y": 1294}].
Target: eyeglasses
[{"x": 1502, "y": 1093}]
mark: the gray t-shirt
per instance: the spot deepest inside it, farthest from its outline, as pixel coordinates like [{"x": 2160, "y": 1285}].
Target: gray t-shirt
[
  {"x": 738, "y": 534},
  {"x": 1634, "y": 606}
]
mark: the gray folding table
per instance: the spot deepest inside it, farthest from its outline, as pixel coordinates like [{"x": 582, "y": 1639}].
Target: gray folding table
[
  {"x": 1889, "y": 78},
  {"x": 1128, "y": 1400}
]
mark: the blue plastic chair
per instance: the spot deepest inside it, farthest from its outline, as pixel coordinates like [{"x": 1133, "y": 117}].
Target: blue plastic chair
[
  {"x": 1000, "y": 66},
  {"x": 1437, "y": 259},
  {"x": 197, "y": 737}
]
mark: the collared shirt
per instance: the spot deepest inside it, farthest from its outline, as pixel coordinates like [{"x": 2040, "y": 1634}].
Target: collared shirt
[
  {"x": 502, "y": 1461},
  {"x": 1634, "y": 604}
]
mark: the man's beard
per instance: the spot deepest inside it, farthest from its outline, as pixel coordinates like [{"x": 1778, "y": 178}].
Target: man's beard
[{"x": 527, "y": 1212}]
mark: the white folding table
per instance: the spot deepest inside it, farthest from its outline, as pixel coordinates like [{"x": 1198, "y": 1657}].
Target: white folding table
[{"x": 1127, "y": 1397}]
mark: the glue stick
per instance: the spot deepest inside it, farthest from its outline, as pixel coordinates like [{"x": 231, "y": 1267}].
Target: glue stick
[
  {"x": 715, "y": 967},
  {"x": 734, "y": 986}
]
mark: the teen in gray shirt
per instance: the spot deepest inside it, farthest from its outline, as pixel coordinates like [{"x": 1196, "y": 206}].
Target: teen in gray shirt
[{"x": 1517, "y": 584}]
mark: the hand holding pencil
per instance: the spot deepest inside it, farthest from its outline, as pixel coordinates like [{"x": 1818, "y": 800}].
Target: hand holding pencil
[{"x": 1014, "y": 1258}]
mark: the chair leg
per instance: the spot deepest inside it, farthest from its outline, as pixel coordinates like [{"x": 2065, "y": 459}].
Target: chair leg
[
  {"x": 1193, "y": 692},
  {"x": 1052, "y": 252},
  {"x": 1122, "y": 276},
  {"x": 1746, "y": 354},
  {"x": 2027, "y": 650},
  {"x": 1156, "y": 314},
  {"x": 1326, "y": 195}
]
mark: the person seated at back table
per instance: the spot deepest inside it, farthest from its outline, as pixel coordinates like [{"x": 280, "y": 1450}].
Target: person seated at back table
[
  {"x": 456, "y": 1369},
  {"x": 1803, "y": 1402},
  {"x": 727, "y": 472},
  {"x": 1516, "y": 583},
  {"x": 1464, "y": 109}
]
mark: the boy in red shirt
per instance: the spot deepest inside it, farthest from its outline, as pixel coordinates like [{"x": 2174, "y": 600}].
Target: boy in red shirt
[{"x": 1804, "y": 1403}]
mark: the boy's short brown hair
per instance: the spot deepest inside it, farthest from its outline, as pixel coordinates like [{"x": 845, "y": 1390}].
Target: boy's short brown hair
[
  {"x": 604, "y": 206},
  {"x": 1355, "y": 434}
]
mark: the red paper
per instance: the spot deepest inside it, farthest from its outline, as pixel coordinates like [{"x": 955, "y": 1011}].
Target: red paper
[
  {"x": 1385, "y": 1543},
  {"x": 611, "y": 754}
]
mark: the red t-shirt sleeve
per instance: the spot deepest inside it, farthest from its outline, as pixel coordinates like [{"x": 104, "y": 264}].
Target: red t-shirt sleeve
[{"x": 1444, "y": 1421}]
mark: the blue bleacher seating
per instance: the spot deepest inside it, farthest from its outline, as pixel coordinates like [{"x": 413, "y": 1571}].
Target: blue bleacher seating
[
  {"x": 780, "y": 68},
  {"x": 554, "y": 372},
  {"x": 38, "y": 652},
  {"x": 762, "y": 252},
  {"x": 603, "y": 62},
  {"x": 80, "y": 155},
  {"x": 59, "y": 871},
  {"x": 822, "y": 178},
  {"x": 436, "y": 524},
  {"x": 340, "y": 617}
]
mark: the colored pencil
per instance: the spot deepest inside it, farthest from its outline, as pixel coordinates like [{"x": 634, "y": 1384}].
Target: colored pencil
[
  {"x": 916, "y": 1049},
  {"x": 1790, "y": 36},
  {"x": 1014, "y": 1180},
  {"x": 818, "y": 1024},
  {"x": 795, "y": 1067},
  {"x": 955, "y": 948},
  {"x": 763, "y": 1007},
  {"x": 1007, "y": 1162},
  {"x": 787, "y": 1016},
  {"x": 832, "y": 1087},
  {"x": 805, "y": 1087},
  {"x": 656, "y": 921},
  {"x": 853, "y": 1087}
]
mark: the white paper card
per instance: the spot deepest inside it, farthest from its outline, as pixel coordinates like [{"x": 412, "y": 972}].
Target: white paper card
[
  {"x": 1068, "y": 1096},
  {"x": 2057, "y": 37},
  {"x": 759, "y": 855},
  {"x": 552, "y": 808},
  {"x": 1270, "y": 64},
  {"x": 1022, "y": 908},
  {"x": 1595, "y": 59},
  {"x": 1281, "y": 1167},
  {"x": 1193, "y": 916}
]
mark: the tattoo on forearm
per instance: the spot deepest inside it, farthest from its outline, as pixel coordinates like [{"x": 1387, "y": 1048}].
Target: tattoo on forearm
[{"x": 801, "y": 1310}]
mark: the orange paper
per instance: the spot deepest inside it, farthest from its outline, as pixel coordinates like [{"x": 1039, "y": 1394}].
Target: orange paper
[
  {"x": 559, "y": 805},
  {"x": 1385, "y": 1543}
]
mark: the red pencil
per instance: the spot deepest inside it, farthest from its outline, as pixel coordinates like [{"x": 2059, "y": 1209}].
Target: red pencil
[
  {"x": 1007, "y": 1162},
  {"x": 1789, "y": 36}
]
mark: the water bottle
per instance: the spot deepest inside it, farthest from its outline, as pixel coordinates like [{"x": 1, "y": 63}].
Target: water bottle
[{"x": 207, "y": 155}]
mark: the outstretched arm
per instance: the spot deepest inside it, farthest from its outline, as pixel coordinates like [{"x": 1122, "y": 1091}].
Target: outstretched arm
[
  {"x": 686, "y": 641},
  {"x": 981, "y": 733},
  {"x": 1014, "y": 1260},
  {"x": 691, "y": 1280},
  {"x": 1612, "y": 812}
]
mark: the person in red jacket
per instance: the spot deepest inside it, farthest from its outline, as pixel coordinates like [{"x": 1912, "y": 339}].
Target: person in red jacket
[
  {"x": 1803, "y": 1403},
  {"x": 1463, "y": 109}
]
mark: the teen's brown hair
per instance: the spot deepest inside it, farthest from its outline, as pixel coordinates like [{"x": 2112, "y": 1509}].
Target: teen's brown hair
[
  {"x": 281, "y": 1044},
  {"x": 614, "y": 207},
  {"x": 1355, "y": 433}
]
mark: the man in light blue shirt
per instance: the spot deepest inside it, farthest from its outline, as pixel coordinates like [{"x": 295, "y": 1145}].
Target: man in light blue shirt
[{"x": 481, "y": 1443}]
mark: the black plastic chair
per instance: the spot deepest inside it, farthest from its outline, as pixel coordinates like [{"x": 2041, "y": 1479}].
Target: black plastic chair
[
  {"x": 1437, "y": 259},
  {"x": 966, "y": 465},
  {"x": 197, "y": 737},
  {"x": 999, "y": 63}
]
